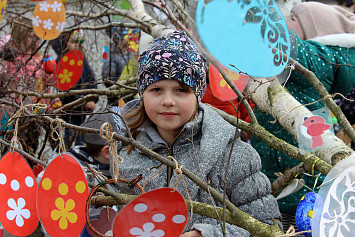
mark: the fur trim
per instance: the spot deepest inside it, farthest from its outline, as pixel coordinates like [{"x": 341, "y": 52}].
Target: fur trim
[{"x": 341, "y": 40}]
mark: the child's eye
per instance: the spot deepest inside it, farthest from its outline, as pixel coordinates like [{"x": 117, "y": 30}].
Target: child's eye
[
  {"x": 156, "y": 89},
  {"x": 181, "y": 90}
]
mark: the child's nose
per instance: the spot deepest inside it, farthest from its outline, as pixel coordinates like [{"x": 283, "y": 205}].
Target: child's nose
[{"x": 168, "y": 99}]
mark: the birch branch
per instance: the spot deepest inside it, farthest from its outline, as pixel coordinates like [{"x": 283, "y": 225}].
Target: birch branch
[{"x": 273, "y": 99}]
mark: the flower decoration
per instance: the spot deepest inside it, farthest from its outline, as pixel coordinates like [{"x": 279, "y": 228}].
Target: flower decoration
[
  {"x": 60, "y": 26},
  {"x": 48, "y": 24},
  {"x": 339, "y": 220},
  {"x": 18, "y": 211},
  {"x": 232, "y": 75},
  {"x": 148, "y": 230},
  {"x": 266, "y": 14},
  {"x": 36, "y": 21},
  {"x": 64, "y": 213},
  {"x": 65, "y": 77},
  {"x": 56, "y": 7},
  {"x": 44, "y": 6}
]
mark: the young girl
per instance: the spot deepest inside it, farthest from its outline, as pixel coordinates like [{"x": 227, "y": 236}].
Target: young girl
[{"x": 171, "y": 121}]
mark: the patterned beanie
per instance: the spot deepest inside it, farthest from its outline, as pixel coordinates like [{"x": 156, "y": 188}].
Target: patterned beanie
[{"x": 173, "y": 56}]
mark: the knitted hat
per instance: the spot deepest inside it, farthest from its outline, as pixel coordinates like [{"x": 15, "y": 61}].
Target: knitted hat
[
  {"x": 318, "y": 19},
  {"x": 173, "y": 56},
  {"x": 96, "y": 121}
]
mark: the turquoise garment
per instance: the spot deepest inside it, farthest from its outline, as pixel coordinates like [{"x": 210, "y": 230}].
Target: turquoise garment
[{"x": 329, "y": 63}]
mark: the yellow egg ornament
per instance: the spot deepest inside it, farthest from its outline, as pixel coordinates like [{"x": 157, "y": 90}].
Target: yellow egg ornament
[{"x": 2, "y": 8}]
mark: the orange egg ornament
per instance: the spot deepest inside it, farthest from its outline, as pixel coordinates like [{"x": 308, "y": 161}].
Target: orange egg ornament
[
  {"x": 61, "y": 199},
  {"x": 18, "y": 188},
  {"x": 68, "y": 70},
  {"x": 48, "y": 19}
]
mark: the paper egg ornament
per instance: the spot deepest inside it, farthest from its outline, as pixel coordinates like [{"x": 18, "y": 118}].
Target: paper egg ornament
[
  {"x": 220, "y": 87},
  {"x": 4, "y": 118},
  {"x": 62, "y": 195},
  {"x": 251, "y": 35},
  {"x": 161, "y": 212},
  {"x": 334, "y": 209},
  {"x": 105, "y": 221},
  {"x": 68, "y": 70},
  {"x": 105, "y": 53},
  {"x": 304, "y": 212},
  {"x": 49, "y": 64},
  {"x": 312, "y": 130},
  {"x": 1, "y": 231},
  {"x": 2, "y": 8},
  {"x": 18, "y": 187},
  {"x": 48, "y": 19}
]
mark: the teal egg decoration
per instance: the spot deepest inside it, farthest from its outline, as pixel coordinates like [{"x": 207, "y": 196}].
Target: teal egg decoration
[
  {"x": 304, "y": 212},
  {"x": 4, "y": 118},
  {"x": 246, "y": 34}
]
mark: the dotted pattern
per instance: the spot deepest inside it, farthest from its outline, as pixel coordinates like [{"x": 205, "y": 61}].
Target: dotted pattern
[{"x": 329, "y": 65}]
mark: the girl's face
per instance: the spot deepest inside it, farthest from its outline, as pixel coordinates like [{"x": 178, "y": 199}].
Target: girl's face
[
  {"x": 169, "y": 106},
  {"x": 71, "y": 44}
]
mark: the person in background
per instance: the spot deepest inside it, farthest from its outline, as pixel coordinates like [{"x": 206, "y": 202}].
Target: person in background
[
  {"x": 325, "y": 44},
  {"x": 95, "y": 153},
  {"x": 170, "y": 120},
  {"x": 21, "y": 70},
  {"x": 119, "y": 58},
  {"x": 347, "y": 105},
  {"x": 65, "y": 43},
  {"x": 21, "y": 64}
]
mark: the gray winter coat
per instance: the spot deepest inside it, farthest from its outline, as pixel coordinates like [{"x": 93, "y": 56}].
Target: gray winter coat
[{"x": 203, "y": 147}]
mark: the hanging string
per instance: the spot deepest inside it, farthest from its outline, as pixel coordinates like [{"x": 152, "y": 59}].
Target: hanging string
[
  {"x": 317, "y": 176},
  {"x": 57, "y": 132},
  {"x": 145, "y": 182},
  {"x": 178, "y": 171},
  {"x": 292, "y": 67},
  {"x": 14, "y": 141},
  {"x": 292, "y": 232},
  {"x": 107, "y": 134}
]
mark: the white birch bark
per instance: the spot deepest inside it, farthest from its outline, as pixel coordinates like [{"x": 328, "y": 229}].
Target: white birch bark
[{"x": 273, "y": 99}]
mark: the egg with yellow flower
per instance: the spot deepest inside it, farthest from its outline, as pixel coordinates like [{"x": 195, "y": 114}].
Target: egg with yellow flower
[
  {"x": 68, "y": 70},
  {"x": 61, "y": 197}
]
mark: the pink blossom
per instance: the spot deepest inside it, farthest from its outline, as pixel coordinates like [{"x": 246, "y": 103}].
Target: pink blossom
[
  {"x": 183, "y": 39},
  {"x": 158, "y": 57},
  {"x": 166, "y": 55},
  {"x": 180, "y": 59}
]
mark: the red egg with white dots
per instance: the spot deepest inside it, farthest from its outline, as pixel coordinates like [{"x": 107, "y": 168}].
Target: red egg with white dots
[
  {"x": 69, "y": 69},
  {"x": 62, "y": 195},
  {"x": 18, "y": 187},
  {"x": 161, "y": 212}
]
